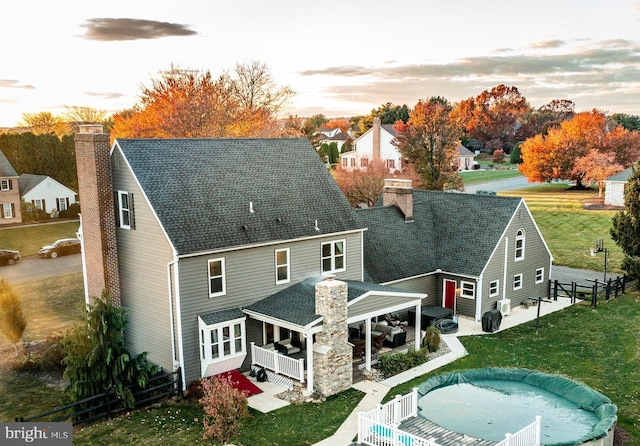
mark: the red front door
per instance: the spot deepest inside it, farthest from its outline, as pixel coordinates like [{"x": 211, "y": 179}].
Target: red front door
[{"x": 449, "y": 297}]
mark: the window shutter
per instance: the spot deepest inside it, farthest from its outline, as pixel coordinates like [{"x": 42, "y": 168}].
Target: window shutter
[
  {"x": 10, "y": 184},
  {"x": 13, "y": 210},
  {"x": 132, "y": 212},
  {"x": 116, "y": 208},
  {"x": 44, "y": 205}
]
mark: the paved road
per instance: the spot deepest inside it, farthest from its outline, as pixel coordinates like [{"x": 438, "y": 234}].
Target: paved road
[
  {"x": 32, "y": 268},
  {"x": 499, "y": 185}
]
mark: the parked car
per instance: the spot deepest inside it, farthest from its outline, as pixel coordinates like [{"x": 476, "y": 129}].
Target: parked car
[
  {"x": 9, "y": 256},
  {"x": 60, "y": 247}
]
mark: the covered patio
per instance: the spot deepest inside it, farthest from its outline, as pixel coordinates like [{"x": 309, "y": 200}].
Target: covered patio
[{"x": 292, "y": 311}]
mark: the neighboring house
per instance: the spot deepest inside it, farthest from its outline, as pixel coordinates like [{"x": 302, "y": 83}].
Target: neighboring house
[
  {"x": 465, "y": 158},
  {"x": 374, "y": 144},
  {"x": 470, "y": 253},
  {"x": 46, "y": 193},
  {"x": 223, "y": 261},
  {"x": 9, "y": 193},
  {"x": 340, "y": 138},
  {"x": 615, "y": 186},
  {"x": 377, "y": 143}
]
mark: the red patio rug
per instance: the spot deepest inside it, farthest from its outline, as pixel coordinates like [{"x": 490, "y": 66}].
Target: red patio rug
[{"x": 240, "y": 382}]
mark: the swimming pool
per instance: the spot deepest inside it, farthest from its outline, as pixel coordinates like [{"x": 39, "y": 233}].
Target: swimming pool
[{"x": 487, "y": 403}]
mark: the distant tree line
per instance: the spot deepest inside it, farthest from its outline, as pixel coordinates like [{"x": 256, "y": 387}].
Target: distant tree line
[{"x": 45, "y": 154}]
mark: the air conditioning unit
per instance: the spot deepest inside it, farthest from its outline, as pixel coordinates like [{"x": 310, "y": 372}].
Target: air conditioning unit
[{"x": 504, "y": 306}]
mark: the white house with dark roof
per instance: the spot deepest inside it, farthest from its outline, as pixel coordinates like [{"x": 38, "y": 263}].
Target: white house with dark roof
[
  {"x": 9, "y": 193},
  {"x": 46, "y": 193}
]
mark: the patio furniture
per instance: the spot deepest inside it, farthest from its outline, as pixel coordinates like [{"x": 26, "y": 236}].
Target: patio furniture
[
  {"x": 286, "y": 348},
  {"x": 377, "y": 338}
]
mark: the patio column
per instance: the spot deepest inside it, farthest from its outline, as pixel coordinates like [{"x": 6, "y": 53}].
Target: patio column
[
  {"x": 418, "y": 334},
  {"x": 367, "y": 336},
  {"x": 309, "y": 337}
]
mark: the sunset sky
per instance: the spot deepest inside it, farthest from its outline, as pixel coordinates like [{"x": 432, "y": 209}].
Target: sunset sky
[{"x": 343, "y": 58}]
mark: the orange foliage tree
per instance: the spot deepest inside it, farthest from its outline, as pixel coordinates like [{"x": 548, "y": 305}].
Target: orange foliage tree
[
  {"x": 597, "y": 166},
  {"x": 429, "y": 141},
  {"x": 342, "y": 124},
  {"x": 184, "y": 103},
  {"x": 493, "y": 116},
  {"x": 554, "y": 156}
]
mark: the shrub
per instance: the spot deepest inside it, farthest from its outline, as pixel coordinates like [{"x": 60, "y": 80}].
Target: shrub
[
  {"x": 395, "y": 363},
  {"x": 224, "y": 407},
  {"x": 12, "y": 319},
  {"x": 431, "y": 339},
  {"x": 72, "y": 212}
]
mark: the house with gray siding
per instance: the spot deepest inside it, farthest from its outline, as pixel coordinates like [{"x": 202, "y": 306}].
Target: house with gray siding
[
  {"x": 232, "y": 253},
  {"x": 469, "y": 253}
]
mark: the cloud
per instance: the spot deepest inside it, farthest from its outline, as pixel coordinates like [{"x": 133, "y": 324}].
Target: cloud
[
  {"x": 590, "y": 74},
  {"x": 12, "y": 83},
  {"x": 105, "y": 95},
  {"x": 108, "y": 29}
]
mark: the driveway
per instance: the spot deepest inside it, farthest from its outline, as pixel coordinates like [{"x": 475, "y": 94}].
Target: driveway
[{"x": 33, "y": 268}]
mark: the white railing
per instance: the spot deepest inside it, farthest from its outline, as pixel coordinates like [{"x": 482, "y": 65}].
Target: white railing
[
  {"x": 277, "y": 362},
  {"x": 527, "y": 436},
  {"x": 379, "y": 427}
]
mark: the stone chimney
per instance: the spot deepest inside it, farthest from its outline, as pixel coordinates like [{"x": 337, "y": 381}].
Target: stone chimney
[
  {"x": 376, "y": 138},
  {"x": 97, "y": 213},
  {"x": 399, "y": 193},
  {"x": 332, "y": 353}
]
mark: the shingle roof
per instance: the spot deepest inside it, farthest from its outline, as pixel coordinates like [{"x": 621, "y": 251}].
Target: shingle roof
[
  {"x": 28, "y": 181},
  {"x": 621, "y": 176},
  {"x": 463, "y": 151},
  {"x": 201, "y": 190},
  {"x": 296, "y": 304},
  {"x": 453, "y": 232},
  {"x": 6, "y": 169},
  {"x": 389, "y": 128}
]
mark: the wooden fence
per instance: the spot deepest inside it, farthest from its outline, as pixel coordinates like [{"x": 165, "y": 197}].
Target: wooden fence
[{"x": 108, "y": 404}]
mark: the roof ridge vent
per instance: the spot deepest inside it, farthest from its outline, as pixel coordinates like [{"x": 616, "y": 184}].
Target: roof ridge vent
[{"x": 251, "y": 207}]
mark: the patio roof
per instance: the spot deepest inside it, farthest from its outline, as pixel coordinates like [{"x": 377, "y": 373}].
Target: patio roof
[{"x": 294, "y": 307}]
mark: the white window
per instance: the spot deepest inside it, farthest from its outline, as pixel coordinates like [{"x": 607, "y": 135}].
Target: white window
[
  {"x": 282, "y": 266},
  {"x": 520, "y": 244},
  {"x": 5, "y": 184},
  {"x": 124, "y": 209},
  {"x": 494, "y": 288},
  {"x": 7, "y": 210},
  {"x": 390, "y": 164},
  {"x": 333, "y": 256},
  {"x": 539, "y": 275},
  {"x": 217, "y": 285},
  {"x": 364, "y": 162},
  {"x": 517, "y": 282},
  {"x": 467, "y": 289},
  {"x": 62, "y": 204},
  {"x": 221, "y": 341},
  {"x": 345, "y": 162},
  {"x": 39, "y": 204}
]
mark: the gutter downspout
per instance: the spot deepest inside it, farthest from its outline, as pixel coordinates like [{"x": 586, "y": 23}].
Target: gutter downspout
[{"x": 175, "y": 298}]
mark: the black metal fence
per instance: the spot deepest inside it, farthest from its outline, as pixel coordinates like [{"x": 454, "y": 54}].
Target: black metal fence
[
  {"x": 593, "y": 291},
  {"x": 108, "y": 404}
]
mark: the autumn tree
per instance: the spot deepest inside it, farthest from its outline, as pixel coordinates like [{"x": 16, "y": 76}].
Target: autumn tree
[
  {"x": 493, "y": 116},
  {"x": 363, "y": 187},
  {"x": 340, "y": 123},
  {"x": 550, "y": 157},
  {"x": 43, "y": 123},
  {"x": 596, "y": 167},
  {"x": 388, "y": 114},
  {"x": 12, "y": 319},
  {"x": 429, "y": 141},
  {"x": 625, "y": 227}
]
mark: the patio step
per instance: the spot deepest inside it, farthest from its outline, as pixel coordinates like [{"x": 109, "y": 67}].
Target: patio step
[{"x": 274, "y": 378}]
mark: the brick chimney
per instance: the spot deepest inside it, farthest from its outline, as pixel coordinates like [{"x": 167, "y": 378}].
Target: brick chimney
[
  {"x": 399, "y": 193},
  {"x": 332, "y": 354},
  {"x": 97, "y": 216},
  {"x": 376, "y": 139}
]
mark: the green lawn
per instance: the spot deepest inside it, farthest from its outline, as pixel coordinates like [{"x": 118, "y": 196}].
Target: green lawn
[
  {"x": 568, "y": 228},
  {"x": 28, "y": 239},
  {"x": 482, "y": 176}
]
